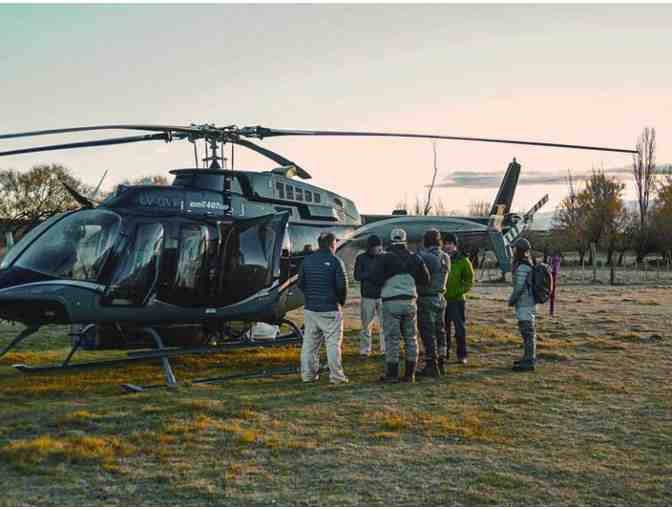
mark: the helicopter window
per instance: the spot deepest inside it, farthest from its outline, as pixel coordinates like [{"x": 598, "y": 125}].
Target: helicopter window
[
  {"x": 299, "y": 194},
  {"x": 309, "y": 196},
  {"x": 281, "y": 189},
  {"x": 290, "y": 192},
  {"x": 75, "y": 248},
  {"x": 318, "y": 199},
  {"x": 190, "y": 262},
  {"x": 138, "y": 268}
]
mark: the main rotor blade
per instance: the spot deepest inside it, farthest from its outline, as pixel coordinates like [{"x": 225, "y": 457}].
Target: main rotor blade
[
  {"x": 262, "y": 132},
  {"x": 92, "y": 143},
  {"x": 273, "y": 156},
  {"x": 135, "y": 127}
]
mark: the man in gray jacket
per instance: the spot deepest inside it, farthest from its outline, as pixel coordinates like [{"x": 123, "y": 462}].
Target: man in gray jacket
[
  {"x": 523, "y": 299},
  {"x": 398, "y": 271},
  {"x": 325, "y": 288},
  {"x": 432, "y": 304}
]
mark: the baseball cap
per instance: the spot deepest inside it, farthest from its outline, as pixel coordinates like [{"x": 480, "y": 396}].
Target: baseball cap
[{"x": 398, "y": 235}]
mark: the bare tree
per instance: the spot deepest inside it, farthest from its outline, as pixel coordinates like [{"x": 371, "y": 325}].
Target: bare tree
[
  {"x": 479, "y": 208},
  {"x": 428, "y": 203},
  {"x": 154, "y": 180},
  {"x": 644, "y": 173}
]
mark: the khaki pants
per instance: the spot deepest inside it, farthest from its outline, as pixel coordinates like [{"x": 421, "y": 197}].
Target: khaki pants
[
  {"x": 322, "y": 327},
  {"x": 369, "y": 308}
]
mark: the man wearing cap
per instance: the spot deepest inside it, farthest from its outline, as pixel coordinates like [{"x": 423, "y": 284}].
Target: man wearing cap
[
  {"x": 432, "y": 304},
  {"x": 325, "y": 288},
  {"x": 460, "y": 281},
  {"x": 398, "y": 271},
  {"x": 523, "y": 299},
  {"x": 370, "y": 304}
]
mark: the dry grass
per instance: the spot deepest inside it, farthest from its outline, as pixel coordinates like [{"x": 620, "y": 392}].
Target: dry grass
[{"x": 589, "y": 427}]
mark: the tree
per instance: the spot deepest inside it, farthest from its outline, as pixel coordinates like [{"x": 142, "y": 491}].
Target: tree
[
  {"x": 479, "y": 208},
  {"x": 606, "y": 218},
  {"x": 596, "y": 214},
  {"x": 154, "y": 180},
  {"x": 661, "y": 219},
  {"x": 644, "y": 173},
  {"x": 428, "y": 203},
  {"x": 33, "y": 196},
  {"x": 570, "y": 222}
]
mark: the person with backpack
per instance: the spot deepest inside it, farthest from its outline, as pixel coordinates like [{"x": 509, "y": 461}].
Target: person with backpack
[
  {"x": 370, "y": 304},
  {"x": 432, "y": 304},
  {"x": 531, "y": 285},
  {"x": 397, "y": 272}
]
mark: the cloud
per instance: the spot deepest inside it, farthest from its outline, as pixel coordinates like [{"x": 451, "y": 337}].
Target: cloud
[{"x": 475, "y": 179}]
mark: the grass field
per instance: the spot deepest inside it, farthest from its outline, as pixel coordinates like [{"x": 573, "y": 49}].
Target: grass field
[{"x": 592, "y": 426}]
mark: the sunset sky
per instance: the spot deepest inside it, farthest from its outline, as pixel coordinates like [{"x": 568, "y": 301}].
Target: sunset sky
[{"x": 577, "y": 74}]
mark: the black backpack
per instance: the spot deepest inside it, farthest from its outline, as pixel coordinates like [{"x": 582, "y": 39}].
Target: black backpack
[{"x": 541, "y": 283}]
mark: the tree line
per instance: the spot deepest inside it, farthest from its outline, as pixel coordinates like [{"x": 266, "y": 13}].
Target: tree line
[{"x": 597, "y": 214}]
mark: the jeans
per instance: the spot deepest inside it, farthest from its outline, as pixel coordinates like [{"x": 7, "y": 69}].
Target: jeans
[{"x": 455, "y": 313}]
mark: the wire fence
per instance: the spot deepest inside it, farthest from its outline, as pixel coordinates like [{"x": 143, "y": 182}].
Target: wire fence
[{"x": 648, "y": 272}]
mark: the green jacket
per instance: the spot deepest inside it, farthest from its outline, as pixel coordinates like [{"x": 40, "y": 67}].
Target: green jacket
[{"x": 460, "y": 278}]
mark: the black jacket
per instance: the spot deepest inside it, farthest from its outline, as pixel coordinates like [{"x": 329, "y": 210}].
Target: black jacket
[
  {"x": 363, "y": 265},
  {"x": 322, "y": 281},
  {"x": 392, "y": 269}
]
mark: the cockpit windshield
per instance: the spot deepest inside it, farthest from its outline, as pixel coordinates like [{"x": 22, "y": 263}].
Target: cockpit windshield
[{"x": 75, "y": 247}]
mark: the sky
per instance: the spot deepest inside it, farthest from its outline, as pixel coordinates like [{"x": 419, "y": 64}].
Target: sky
[{"x": 576, "y": 74}]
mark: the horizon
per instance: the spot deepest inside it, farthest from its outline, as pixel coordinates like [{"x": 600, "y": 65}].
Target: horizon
[{"x": 559, "y": 73}]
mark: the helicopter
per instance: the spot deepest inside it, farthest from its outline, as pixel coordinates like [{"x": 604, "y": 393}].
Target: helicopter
[{"x": 216, "y": 248}]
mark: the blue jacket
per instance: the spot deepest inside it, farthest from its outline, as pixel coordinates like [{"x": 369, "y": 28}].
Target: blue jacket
[
  {"x": 322, "y": 281},
  {"x": 521, "y": 296}
]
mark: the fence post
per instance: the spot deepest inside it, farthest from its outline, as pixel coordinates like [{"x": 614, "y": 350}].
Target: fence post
[{"x": 593, "y": 254}]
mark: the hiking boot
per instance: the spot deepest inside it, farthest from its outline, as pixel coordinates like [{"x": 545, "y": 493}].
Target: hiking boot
[
  {"x": 391, "y": 373},
  {"x": 409, "y": 372},
  {"x": 443, "y": 363},
  {"x": 526, "y": 365},
  {"x": 431, "y": 369}
]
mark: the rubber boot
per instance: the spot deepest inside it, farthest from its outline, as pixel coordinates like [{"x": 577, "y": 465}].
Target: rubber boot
[
  {"x": 443, "y": 364},
  {"x": 529, "y": 355},
  {"x": 409, "y": 372},
  {"x": 391, "y": 373},
  {"x": 431, "y": 369}
]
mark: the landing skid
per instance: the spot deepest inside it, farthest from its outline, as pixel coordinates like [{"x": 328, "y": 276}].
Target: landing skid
[
  {"x": 133, "y": 388},
  {"x": 160, "y": 352}
]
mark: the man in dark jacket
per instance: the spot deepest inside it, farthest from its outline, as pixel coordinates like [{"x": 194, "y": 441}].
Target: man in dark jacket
[
  {"x": 325, "y": 288},
  {"x": 431, "y": 303},
  {"x": 460, "y": 281},
  {"x": 370, "y": 304},
  {"x": 397, "y": 272}
]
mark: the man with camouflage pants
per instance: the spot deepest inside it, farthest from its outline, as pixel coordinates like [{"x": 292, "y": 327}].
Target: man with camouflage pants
[
  {"x": 397, "y": 272},
  {"x": 432, "y": 304}
]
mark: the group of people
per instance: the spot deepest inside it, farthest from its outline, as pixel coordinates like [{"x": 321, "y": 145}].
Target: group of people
[{"x": 408, "y": 292}]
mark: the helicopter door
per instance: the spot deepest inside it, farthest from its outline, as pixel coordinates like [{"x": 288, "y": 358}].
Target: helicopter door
[
  {"x": 250, "y": 256},
  {"x": 195, "y": 273},
  {"x": 137, "y": 268}
]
